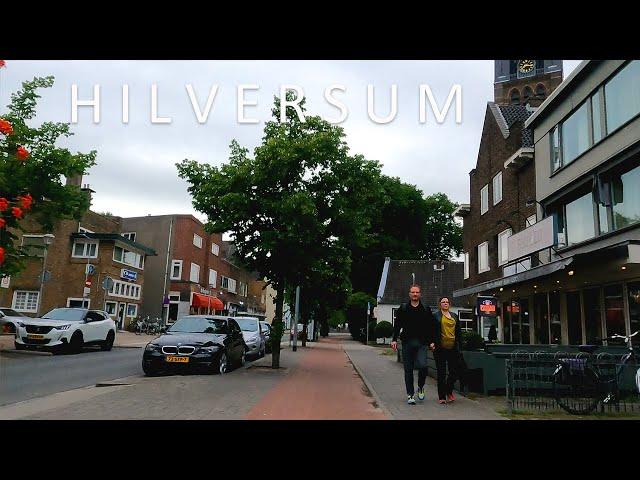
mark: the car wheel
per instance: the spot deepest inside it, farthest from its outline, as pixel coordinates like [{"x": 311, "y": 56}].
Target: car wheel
[
  {"x": 223, "y": 365},
  {"x": 19, "y": 346},
  {"x": 148, "y": 370},
  {"x": 243, "y": 358},
  {"x": 108, "y": 343},
  {"x": 263, "y": 351},
  {"x": 76, "y": 343}
]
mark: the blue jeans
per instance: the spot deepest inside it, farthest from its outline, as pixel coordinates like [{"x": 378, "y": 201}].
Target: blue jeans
[{"x": 414, "y": 355}]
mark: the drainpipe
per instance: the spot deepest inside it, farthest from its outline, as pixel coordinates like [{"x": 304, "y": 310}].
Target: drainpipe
[{"x": 166, "y": 272}]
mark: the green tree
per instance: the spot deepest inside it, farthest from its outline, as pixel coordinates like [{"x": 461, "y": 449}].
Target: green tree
[
  {"x": 290, "y": 207},
  {"x": 32, "y": 169},
  {"x": 357, "y": 312}
]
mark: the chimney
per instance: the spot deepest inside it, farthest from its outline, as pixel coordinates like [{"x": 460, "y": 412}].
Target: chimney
[
  {"x": 86, "y": 189},
  {"x": 74, "y": 180}
]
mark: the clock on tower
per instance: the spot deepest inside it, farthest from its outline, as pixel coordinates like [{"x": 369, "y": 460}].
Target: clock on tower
[{"x": 521, "y": 82}]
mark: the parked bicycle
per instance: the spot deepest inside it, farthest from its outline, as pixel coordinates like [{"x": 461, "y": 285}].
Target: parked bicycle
[
  {"x": 581, "y": 383},
  {"x": 140, "y": 325}
]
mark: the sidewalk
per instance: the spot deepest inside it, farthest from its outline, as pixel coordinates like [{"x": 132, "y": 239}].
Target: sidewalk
[
  {"x": 323, "y": 386},
  {"x": 124, "y": 339},
  {"x": 385, "y": 378}
]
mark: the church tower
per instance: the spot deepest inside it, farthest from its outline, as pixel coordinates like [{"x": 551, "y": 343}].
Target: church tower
[{"x": 521, "y": 82}]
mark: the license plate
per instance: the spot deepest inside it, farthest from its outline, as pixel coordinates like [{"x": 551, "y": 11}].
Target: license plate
[
  {"x": 173, "y": 358},
  {"x": 35, "y": 336}
]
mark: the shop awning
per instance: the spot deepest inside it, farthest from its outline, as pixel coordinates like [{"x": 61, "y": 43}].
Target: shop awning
[
  {"x": 206, "y": 301},
  {"x": 534, "y": 273}
]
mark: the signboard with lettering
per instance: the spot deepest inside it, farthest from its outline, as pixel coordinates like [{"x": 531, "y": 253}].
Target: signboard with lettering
[
  {"x": 537, "y": 237},
  {"x": 487, "y": 306},
  {"x": 129, "y": 275}
]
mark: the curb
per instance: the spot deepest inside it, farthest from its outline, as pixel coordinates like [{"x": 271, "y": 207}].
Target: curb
[
  {"x": 368, "y": 384},
  {"x": 130, "y": 346},
  {"x": 27, "y": 352}
]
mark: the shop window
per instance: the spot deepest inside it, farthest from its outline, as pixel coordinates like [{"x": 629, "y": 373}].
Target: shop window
[
  {"x": 574, "y": 318},
  {"x": 541, "y": 315},
  {"x": 592, "y": 316},
  {"x": 614, "y": 313},
  {"x": 554, "y": 315},
  {"x": 634, "y": 308}
]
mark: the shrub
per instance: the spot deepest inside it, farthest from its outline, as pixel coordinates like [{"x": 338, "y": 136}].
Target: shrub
[
  {"x": 472, "y": 341},
  {"x": 384, "y": 329}
]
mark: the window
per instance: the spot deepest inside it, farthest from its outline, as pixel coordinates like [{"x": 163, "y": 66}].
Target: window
[
  {"x": 556, "y": 160},
  {"x": 110, "y": 307},
  {"x": 84, "y": 230},
  {"x": 25, "y": 301},
  {"x": 527, "y": 94},
  {"x": 541, "y": 91},
  {"x": 484, "y": 200},
  {"x": 215, "y": 249},
  {"x": 503, "y": 246},
  {"x": 78, "y": 302},
  {"x": 483, "y": 257},
  {"x": 598, "y": 131},
  {"x": 467, "y": 321},
  {"x": 130, "y": 235},
  {"x": 197, "y": 240},
  {"x": 614, "y": 313},
  {"x": 626, "y": 199},
  {"x": 579, "y": 220},
  {"x": 176, "y": 269},
  {"x": 126, "y": 290},
  {"x": 213, "y": 276},
  {"x": 224, "y": 282},
  {"x": 132, "y": 309},
  {"x": 622, "y": 96},
  {"x": 194, "y": 276},
  {"x": 128, "y": 257},
  {"x": 85, "y": 249},
  {"x": 232, "y": 285},
  {"x": 243, "y": 289},
  {"x": 466, "y": 265},
  {"x": 575, "y": 134},
  {"x": 497, "y": 188},
  {"x": 515, "y": 96}
]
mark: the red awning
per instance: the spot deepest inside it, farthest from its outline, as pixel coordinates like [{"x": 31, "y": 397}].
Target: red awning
[{"x": 206, "y": 301}]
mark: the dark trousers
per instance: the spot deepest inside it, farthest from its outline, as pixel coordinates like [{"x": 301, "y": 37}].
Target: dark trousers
[
  {"x": 414, "y": 355},
  {"x": 446, "y": 358}
]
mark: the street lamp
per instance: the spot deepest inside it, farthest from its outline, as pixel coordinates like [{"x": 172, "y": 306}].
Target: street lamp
[{"x": 47, "y": 240}]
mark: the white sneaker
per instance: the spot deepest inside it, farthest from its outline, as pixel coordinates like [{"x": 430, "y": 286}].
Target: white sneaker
[{"x": 411, "y": 400}]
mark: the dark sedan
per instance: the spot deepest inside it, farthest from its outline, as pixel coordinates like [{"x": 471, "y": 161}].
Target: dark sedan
[{"x": 205, "y": 342}]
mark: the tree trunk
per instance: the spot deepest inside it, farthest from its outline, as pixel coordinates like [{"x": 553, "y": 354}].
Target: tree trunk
[
  {"x": 278, "y": 327},
  {"x": 304, "y": 334}
]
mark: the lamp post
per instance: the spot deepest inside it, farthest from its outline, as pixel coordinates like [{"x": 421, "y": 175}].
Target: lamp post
[{"x": 47, "y": 240}]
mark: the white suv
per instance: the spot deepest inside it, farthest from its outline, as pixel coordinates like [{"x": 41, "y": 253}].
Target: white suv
[{"x": 67, "y": 328}]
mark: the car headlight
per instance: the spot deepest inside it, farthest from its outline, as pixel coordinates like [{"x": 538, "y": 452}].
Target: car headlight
[
  {"x": 62, "y": 327},
  {"x": 151, "y": 347}
]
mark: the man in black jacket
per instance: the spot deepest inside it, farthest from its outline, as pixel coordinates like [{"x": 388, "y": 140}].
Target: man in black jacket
[{"x": 416, "y": 325}]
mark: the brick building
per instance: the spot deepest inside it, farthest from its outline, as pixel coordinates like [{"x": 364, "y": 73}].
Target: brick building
[
  {"x": 80, "y": 254},
  {"x": 502, "y": 185},
  {"x": 192, "y": 272}
]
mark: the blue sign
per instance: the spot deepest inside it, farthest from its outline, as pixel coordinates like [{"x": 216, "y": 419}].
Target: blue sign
[{"x": 129, "y": 275}]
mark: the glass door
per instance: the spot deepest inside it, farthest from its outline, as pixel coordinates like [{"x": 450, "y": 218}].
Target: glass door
[
  {"x": 592, "y": 316},
  {"x": 574, "y": 318},
  {"x": 614, "y": 313},
  {"x": 541, "y": 311}
]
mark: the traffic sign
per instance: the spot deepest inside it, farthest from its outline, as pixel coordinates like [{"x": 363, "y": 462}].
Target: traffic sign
[
  {"x": 47, "y": 277},
  {"x": 107, "y": 283},
  {"x": 87, "y": 283},
  {"x": 87, "y": 291},
  {"x": 90, "y": 269}
]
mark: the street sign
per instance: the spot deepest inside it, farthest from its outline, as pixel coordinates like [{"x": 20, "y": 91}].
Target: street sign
[
  {"x": 4, "y": 283},
  {"x": 90, "y": 269},
  {"x": 47, "y": 277},
  {"x": 107, "y": 283},
  {"x": 87, "y": 283},
  {"x": 128, "y": 274},
  {"x": 87, "y": 291}
]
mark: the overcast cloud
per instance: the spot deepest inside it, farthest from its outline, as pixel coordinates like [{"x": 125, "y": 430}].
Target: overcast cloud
[{"x": 136, "y": 175}]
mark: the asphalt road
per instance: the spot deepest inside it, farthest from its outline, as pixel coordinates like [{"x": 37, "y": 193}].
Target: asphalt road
[{"x": 23, "y": 377}]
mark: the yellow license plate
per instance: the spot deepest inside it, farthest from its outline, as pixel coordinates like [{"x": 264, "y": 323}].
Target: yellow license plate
[
  {"x": 173, "y": 358},
  {"x": 35, "y": 336}
]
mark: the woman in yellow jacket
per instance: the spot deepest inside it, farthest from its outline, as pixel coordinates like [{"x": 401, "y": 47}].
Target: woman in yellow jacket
[{"x": 447, "y": 351}]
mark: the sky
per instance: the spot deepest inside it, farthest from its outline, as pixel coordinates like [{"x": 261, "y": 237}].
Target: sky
[{"x": 135, "y": 173}]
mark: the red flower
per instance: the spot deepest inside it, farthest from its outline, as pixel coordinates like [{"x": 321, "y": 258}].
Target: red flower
[
  {"x": 16, "y": 212},
  {"x": 2, "y": 222},
  {"x": 25, "y": 201},
  {"x": 4, "y": 204},
  {"x": 5, "y": 127},
  {"x": 2, "y": 63},
  {"x": 1, "y": 255},
  {"x": 22, "y": 153}
]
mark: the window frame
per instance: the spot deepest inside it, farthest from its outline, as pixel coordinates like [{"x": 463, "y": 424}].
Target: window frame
[
  {"x": 483, "y": 189},
  {"x": 215, "y": 249},
  {"x": 486, "y": 245},
  {"x": 87, "y": 244},
  {"x": 503, "y": 261},
  {"x": 199, "y": 242},
  {"x": 26, "y": 302},
  {"x": 466, "y": 265},
  {"x": 191, "y": 273},
  {"x": 493, "y": 184},
  {"x": 174, "y": 263},
  {"x": 215, "y": 278}
]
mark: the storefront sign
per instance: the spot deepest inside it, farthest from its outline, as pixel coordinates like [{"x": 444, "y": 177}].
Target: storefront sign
[
  {"x": 204, "y": 291},
  {"x": 514, "y": 307},
  {"x": 487, "y": 306},
  {"x": 128, "y": 275},
  {"x": 537, "y": 237}
]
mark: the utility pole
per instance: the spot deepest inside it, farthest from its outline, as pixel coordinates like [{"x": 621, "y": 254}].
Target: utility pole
[
  {"x": 295, "y": 324},
  {"x": 367, "y": 320}
]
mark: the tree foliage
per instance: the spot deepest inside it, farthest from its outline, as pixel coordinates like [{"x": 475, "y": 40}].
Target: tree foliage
[{"x": 32, "y": 173}]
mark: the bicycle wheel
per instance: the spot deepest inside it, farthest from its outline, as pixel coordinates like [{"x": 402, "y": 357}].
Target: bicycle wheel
[{"x": 576, "y": 393}]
